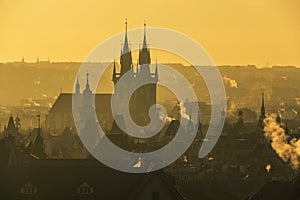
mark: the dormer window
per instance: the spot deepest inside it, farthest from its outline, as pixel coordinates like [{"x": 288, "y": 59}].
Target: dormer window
[
  {"x": 85, "y": 189},
  {"x": 28, "y": 189}
]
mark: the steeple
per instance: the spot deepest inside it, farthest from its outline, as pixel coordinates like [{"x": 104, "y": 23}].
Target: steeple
[
  {"x": 87, "y": 80},
  {"x": 38, "y": 149},
  {"x": 87, "y": 85},
  {"x": 261, "y": 118},
  {"x": 77, "y": 86},
  {"x": 144, "y": 41},
  {"x": 156, "y": 71},
  {"x": 114, "y": 76},
  {"x": 263, "y": 110},
  {"x": 125, "y": 59},
  {"x": 144, "y": 55},
  {"x": 126, "y": 45},
  {"x": 11, "y": 125},
  {"x": 10, "y": 129}
]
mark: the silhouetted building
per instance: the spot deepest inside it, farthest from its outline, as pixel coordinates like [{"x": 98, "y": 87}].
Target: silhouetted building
[
  {"x": 145, "y": 96},
  {"x": 60, "y": 114},
  {"x": 83, "y": 179},
  {"x": 262, "y": 117}
]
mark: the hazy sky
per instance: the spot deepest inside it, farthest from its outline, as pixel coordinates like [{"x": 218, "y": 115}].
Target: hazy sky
[{"x": 232, "y": 31}]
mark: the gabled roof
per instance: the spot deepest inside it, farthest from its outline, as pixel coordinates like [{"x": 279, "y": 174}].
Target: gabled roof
[
  {"x": 60, "y": 179},
  {"x": 63, "y": 103},
  {"x": 168, "y": 183}
]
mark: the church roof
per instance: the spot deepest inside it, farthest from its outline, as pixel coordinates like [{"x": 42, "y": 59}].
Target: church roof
[{"x": 63, "y": 103}]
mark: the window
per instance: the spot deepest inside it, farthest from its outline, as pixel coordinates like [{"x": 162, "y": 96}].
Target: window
[
  {"x": 85, "y": 189},
  {"x": 28, "y": 189}
]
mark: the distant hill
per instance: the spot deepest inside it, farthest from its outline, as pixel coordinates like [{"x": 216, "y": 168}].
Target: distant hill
[{"x": 243, "y": 84}]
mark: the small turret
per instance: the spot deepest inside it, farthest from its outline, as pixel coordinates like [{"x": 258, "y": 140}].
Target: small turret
[{"x": 87, "y": 91}]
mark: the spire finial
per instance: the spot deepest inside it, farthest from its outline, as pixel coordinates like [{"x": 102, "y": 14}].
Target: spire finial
[
  {"x": 126, "y": 46},
  {"x": 87, "y": 79},
  {"x": 144, "y": 42}
]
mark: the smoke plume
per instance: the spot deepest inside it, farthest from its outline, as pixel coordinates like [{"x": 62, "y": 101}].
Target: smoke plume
[
  {"x": 288, "y": 151},
  {"x": 183, "y": 111},
  {"x": 231, "y": 82}
]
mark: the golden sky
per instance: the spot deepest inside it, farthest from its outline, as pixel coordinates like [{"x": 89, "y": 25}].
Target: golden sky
[{"x": 232, "y": 31}]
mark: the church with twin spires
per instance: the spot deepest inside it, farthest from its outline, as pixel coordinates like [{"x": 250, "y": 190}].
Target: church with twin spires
[{"x": 60, "y": 114}]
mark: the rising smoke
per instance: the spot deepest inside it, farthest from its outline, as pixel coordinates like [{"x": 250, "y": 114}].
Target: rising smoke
[
  {"x": 183, "y": 111},
  {"x": 231, "y": 82},
  {"x": 288, "y": 151}
]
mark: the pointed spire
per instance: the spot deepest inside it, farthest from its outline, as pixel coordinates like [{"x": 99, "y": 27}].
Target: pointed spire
[
  {"x": 87, "y": 90},
  {"x": 156, "y": 71},
  {"x": 126, "y": 58},
  {"x": 144, "y": 55},
  {"x": 11, "y": 125},
  {"x": 126, "y": 46},
  {"x": 87, "y": 80},
  {"x": 77, "y": 86},
  {"x": 114, "y": 76},
  {"x": 144, "y": 41}
]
